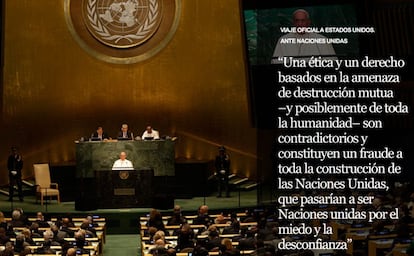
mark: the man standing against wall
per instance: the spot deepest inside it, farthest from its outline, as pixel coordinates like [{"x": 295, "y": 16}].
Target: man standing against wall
[{"x": 15, "y": 166}]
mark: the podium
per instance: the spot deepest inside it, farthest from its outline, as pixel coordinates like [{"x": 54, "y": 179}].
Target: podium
[{"x": 124, "y": 188}]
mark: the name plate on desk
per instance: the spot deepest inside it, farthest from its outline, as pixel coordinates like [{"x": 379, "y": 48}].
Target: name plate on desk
[{"x": 124, "y": 191}]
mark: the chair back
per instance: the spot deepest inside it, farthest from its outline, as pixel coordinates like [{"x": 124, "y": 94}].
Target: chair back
[{"x": 42, "y": 175}]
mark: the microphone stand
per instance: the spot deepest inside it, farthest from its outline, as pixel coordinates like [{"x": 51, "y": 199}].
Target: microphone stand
[
  {"x": 11, "y": 188},
  {"x": 11, "y": 205},
  {"x": 46, "y": 201}
]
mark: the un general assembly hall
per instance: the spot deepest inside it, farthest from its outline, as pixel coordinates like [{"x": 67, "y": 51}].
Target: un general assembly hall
[{"x": 183, "y": 127}]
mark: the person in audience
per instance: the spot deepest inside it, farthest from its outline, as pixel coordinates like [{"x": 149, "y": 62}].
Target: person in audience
[
  {"x": 151, "y": 232},
  {"x": 161, "y": 245},
  {"x": 80, "y": 242},
  {"x": 265, "y": 230},
  {"x": 99, "y": 135},
  {"x": 58, "y": 235},
  {"x": 234, "y": 227},
  {"x": 159, "y": 234},
  {"x": 48, "y": 242},
  {"x": 26, "y": 251},
  {"x": 214, "y": 241},
  {"x": 3, "y": 222},
  {"x": 18, "y": 219},
  {"x": 229, "y": 250},
  {"x": 71, "y": 252},
  {"x": 122, "y": 163},
  {"x": 203, "y": 218},
  {"x": 158, "y": 248},
  {"x": 4, "y": 238},
  {"x": 8, "y": 250},
  {"x": 247, "y": 242},
  {"x": 185, "y": 237},
  {"x": 15, "y": 166},
  {"x": 66, "y": 245},
  {"x": 88, "y": 227},
  {"x": 211, "y": 228},
  {"x": 34, "y": 230},
  {"x": 28, "y": 236},
  {"x": 260, "y": 249},
  {"x": 66, "y": 226},
  {"x": 40, "y": 220},
  {"x": 150, "y": 134},
  {"x": 222, "y": 164},
  {"x": 250, "y": 217},
  {"x": 125, "y": 134},
  {"x": 200, "y": 251},
  {"x": 176, "y": 218},
  {"x": 220, "y": 219},
  {"x": 49, "y": 238},
  {"x": 20, "y": 244},
  {"x": 155, "y": 220},
  {"x": 91, "y": 221}
]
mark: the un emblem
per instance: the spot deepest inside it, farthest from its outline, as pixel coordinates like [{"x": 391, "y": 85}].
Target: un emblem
[
  {"x": 122, "y": 24},
  {"x": 124, "y": 175},
  {"x": 122, "y": 31}
]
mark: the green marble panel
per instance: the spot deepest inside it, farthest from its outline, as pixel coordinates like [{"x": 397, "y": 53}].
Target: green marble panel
[{"x": 157, "y": 155}]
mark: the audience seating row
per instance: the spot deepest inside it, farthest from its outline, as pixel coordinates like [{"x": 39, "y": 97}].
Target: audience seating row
[
  {"x": 170, "y": 237},
  {"x": 96, "y": 243},
  {"x": 375, "y": 241}
]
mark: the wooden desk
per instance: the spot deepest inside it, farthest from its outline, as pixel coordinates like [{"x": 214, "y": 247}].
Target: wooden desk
[{"x": 373, "y": 245}]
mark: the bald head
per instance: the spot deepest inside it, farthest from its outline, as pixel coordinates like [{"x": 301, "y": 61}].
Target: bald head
[
  {"x": 203, "y": 209},
  {"x": 301, "y": 18},
  {"x": 122, "y": 155},
  {"x": 71, "y": 252}
]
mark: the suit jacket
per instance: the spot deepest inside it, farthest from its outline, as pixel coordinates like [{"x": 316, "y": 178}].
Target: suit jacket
[
  {"x": 15, "y": 163},
  {"x": 129, "y": 135},
  {"x": 104, "y": 135},
  {"x": 222, "y": 162}
]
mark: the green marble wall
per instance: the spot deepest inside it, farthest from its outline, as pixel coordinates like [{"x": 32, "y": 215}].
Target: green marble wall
[{"x": 99, "y": 156}]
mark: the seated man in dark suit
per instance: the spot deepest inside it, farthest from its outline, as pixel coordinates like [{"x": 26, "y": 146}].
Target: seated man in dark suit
[
  {"x": 125, "y": 134},
  {"x": 99, "y": 134},
  {"x": 40, "y": 220},
  {"x": 18, "y": 218},
  {"x": 214, "y": 242},
  {"x": 203, "y": 218},
  {"x": 177, "y": 218},
  {"x": 65, "y": 227}
]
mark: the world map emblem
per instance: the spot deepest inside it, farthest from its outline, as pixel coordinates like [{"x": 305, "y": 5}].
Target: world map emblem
[
  {"x": 122, "y": 23},
  {"x": 122, "y": 31}
]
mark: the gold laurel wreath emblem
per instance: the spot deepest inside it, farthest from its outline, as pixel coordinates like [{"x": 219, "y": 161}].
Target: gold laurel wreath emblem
[{"x": 143, "y": 31}]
